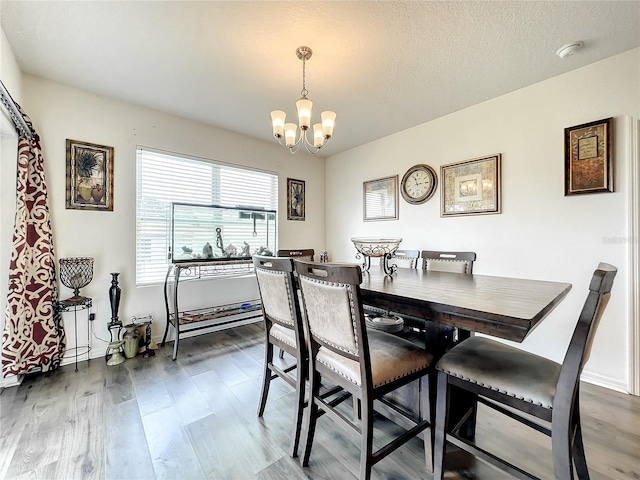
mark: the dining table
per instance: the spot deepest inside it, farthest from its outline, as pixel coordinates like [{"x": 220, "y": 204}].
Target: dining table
[
  {"x": 449, "y": 307},
  {"x": 504, "y": 307}
]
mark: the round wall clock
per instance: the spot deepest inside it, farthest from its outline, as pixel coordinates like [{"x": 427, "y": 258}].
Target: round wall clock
[{"x": 419, "y": 184}]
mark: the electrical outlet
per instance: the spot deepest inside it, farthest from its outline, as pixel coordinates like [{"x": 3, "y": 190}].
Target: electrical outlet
[{"x": 92, "y": 317}]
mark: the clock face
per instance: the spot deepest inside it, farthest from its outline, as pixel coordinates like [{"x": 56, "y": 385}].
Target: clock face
[{"x": 419, "y": 184}]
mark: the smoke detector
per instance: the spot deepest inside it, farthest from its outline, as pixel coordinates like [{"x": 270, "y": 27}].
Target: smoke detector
[{"x": 569, "y": 49}]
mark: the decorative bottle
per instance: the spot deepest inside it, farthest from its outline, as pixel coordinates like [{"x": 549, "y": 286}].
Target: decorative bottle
[{"x": 114, "y": 297}]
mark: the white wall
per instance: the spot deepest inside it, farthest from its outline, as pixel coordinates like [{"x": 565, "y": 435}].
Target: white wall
[
  {"x": 541, "y": 234},
  {"x": 60, "y": 112}
]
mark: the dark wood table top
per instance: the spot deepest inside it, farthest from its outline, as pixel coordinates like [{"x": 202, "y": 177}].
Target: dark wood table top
[{"x": 504, "y": 307}]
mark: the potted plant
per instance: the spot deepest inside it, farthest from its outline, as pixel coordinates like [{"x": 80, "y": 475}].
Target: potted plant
[{"x": 86, "y": 161}]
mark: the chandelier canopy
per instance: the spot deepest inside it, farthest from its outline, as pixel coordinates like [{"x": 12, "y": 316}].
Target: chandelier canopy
[{"x": 322, "y": 132}]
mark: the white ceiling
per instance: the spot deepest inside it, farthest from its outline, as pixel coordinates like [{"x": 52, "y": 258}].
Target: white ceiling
[{"x": 381, "y": 66}]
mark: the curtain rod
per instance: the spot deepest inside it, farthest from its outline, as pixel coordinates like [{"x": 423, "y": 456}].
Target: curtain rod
[{"x": 14, "y": 112}]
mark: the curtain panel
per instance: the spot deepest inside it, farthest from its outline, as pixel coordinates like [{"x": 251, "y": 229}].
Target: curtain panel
[{"x": 33, "y": 337}]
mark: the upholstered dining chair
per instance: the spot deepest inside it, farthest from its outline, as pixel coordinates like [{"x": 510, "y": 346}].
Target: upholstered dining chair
[
  {"x": 500, "y": 375},
  {"x": 365, "y": 364},
  {"x": 284, "y": 329},
  {"x": 301, "y": 253},
  {"x": 402, "y": 259},
  {"x": 405, "y": 259},
  {"x": 455, "y": 262}
]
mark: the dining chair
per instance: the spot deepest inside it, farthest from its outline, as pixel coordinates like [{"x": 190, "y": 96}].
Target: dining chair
[
  {"x": 364, "y": 364},
  {"x": 301, "y": 253},
  {"x": 500, "y": 376},
  {"x": 283, "y": 329},
  {"x": 454, "y": 262},
  {"x": 402, "y": 259},
  {"x": 405, "y": 259}
]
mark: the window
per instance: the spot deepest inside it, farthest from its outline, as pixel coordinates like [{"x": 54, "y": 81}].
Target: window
[{"x": 163, "y": 178}]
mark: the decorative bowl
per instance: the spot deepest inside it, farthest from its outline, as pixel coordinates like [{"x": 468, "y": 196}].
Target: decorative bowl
[{"x": 376, "y": 247}]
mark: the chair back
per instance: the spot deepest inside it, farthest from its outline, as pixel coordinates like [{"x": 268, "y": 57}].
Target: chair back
[
  {"x": 405, "y": 259},
  {"x": 454, "y": 262},
  {"x": 584, "y": 333},
  {"x": 276, "y": 285},
  {"x": 303, "y": 254},
  {"x": 333, "y": 308}
]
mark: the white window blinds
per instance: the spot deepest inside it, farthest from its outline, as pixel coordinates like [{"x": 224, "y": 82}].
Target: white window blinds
[{"x": 162, "y": 178}]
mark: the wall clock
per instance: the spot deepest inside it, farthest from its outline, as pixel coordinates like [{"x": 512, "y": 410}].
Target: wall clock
[{"x": 419, "y": 184}]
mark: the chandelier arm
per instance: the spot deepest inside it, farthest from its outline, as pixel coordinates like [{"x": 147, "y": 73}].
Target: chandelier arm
[{"x": 311, "y": 148}]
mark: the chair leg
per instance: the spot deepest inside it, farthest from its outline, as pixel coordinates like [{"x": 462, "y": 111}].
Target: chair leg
[
  {"x": 442, "y": 415},
  {"x": 427, "y": 409},
  {"x": 579, "y": 458},
  {"x": 301, "y": 381},
  {"x": 561, "y": 436},
  {"x": 366, "y": 451},
  {"x": 312, "y": 416},
  {"x": 357, "y": 411},
  {"x": 266, "y": 377}
]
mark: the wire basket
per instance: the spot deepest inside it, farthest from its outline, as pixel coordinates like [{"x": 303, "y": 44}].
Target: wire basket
[{"x": 76, "y": 273}]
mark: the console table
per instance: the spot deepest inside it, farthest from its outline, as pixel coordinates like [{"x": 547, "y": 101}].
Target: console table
[{"x": 209, "y": 318}]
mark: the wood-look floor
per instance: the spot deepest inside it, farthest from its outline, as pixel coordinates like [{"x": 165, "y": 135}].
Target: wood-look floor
[{"x": 196, "y": 418}]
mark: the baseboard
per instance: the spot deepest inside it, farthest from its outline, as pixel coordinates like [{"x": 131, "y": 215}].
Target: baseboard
[
  {"x": 11, "y": 381},
  {"x": 606, "y": 382}
]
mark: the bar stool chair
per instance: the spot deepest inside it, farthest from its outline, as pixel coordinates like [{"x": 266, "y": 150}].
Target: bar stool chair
[
  {"x": 364, "y": 364},
  {"x": 283, "y": 329},
  {"x": 402, "y": 259},
  {"x": 454, "y": 262},
  {"x": 405, "y": 259},
  {"x": 499, "y": 374},
  {"x": 301, "y": 253}
]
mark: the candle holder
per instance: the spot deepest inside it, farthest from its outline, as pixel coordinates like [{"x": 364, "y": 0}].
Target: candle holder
[{"x": 76, "y": 273}]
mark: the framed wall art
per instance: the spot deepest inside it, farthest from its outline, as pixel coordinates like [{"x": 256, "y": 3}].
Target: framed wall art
[
  {"x": 380, "y": 199},
  {"x": 295, "y": 199},
  {"x": 471, "y": 187},
  {"x": 89, "y": 176},
  {"x": 588, "y": 166}
]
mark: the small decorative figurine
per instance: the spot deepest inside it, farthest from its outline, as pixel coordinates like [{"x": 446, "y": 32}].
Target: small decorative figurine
[
  {"x": 265, "y": 251},
  {"x": 207, "y": 251},
  {"x": 187, "y": 249},
  {"x": 246, "y": 250},
  {"x": 231, "y": 250}
]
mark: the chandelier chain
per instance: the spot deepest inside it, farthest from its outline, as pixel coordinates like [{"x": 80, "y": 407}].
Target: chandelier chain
[{"x": 304, "y": 90}]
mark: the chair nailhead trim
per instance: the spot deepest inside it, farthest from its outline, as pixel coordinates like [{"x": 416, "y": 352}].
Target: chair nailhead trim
[{"x": 495, "y": 389}]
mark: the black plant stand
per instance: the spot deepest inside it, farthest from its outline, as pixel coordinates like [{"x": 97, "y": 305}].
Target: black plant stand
[{"x": 73, "y": 305}]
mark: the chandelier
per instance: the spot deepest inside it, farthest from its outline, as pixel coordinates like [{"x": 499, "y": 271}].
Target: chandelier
[{"x": 321, "y": 131}]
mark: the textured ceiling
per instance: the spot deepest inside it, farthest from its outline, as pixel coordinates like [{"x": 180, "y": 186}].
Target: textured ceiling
[{"x": 381, "y": 66}]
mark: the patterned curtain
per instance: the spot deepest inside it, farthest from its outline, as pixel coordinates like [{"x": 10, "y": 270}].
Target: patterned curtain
[{"x": 33, "y": 337}]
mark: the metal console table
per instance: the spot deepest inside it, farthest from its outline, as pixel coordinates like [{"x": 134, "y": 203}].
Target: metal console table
[{"x": 208, "y": 319}]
